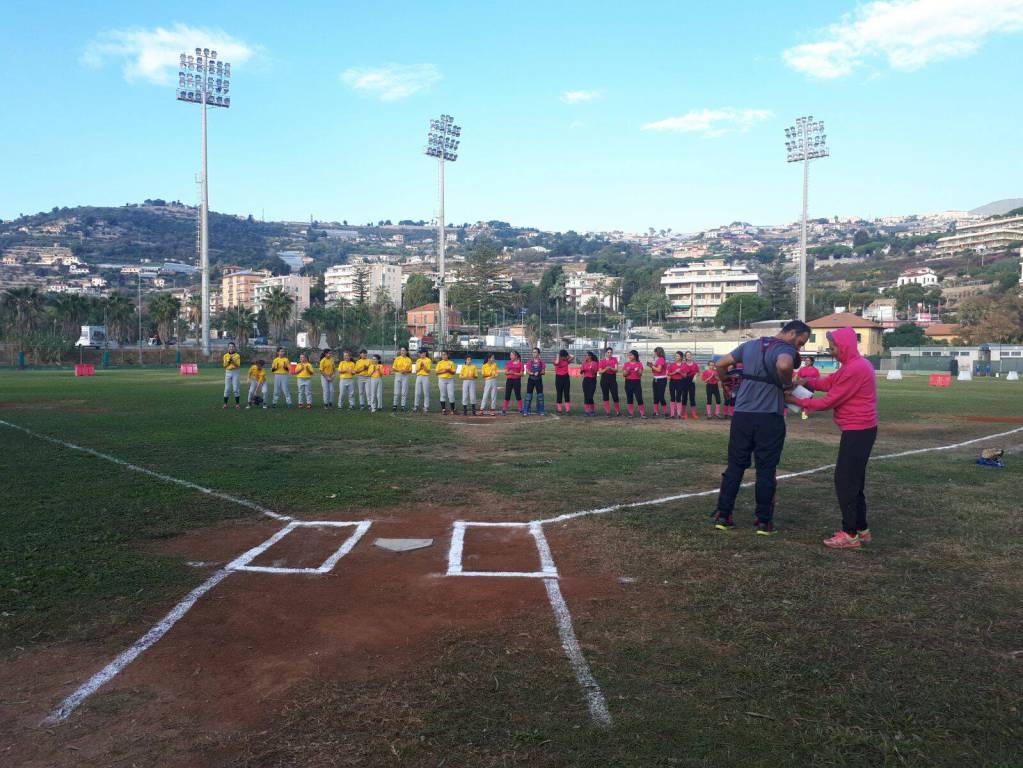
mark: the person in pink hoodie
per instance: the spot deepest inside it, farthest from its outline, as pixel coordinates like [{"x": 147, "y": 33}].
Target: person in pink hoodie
[{"x": 852, "y": 393}]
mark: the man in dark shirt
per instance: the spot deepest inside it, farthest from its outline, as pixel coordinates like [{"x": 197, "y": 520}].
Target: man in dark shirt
[{"x": 758, "y": 426}]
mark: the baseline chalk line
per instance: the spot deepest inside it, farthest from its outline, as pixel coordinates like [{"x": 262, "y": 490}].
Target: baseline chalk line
[
  {"x": 151, "y": 472},
  {"x": 787, "y": 476}
]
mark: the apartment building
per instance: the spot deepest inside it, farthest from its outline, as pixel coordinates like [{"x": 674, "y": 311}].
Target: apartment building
[
  {"x": 340, "y": 282},
  {"x": 295, "y": 286},
  {"x": 924, "y": 276},
  {"x": 987, "y": 235},
  {"x": 696, "y": 290},
  {"x": 580, "y": 287},
  {"x": 238, "y": 289}
]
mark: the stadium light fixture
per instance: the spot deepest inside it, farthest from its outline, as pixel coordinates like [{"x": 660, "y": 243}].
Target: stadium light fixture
[
  {"x": 442, "y": 143},
  {"x": 205, "y": 80},
  {"x": 805, "y": 141}
]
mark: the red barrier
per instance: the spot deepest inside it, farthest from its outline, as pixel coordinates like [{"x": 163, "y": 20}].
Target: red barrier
[
  {"x": 575, "y": 371},
  {"x": 293, "y": 367},
  {"x": 385, "y": 369},
  {"x": 85, "y": 369},
  {"x": 940, "y": 380},
  {"x": 189, "y": 369}
]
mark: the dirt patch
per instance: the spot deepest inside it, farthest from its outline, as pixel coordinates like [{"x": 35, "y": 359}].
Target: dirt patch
[
  {"x": 499, "y": 549},
  {"x": 996, "y": 419}
]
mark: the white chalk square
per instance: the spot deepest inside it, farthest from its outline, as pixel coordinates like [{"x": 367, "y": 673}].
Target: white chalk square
[
  {"x": 360, "y": 526},
  {"x": 547, "y": 567}
]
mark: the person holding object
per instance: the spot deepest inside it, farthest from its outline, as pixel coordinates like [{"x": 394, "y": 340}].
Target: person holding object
[
  {"x": 376, "y": 385},
  {"x": 808, "y": 371},
  {"x": 257, "y": 385},
  {"x": 422, "y": 393},
  {"x": 535, "y": 370},
  {"x": 468, "y": 377},
  {"x": 280, "y": 367},
  {"x": 588, "y": 370},
  {"x": 304, "y": 374},
  {"x": 232, "y": 374},
  {"x": 758, "y": 426},
  {"x": 608, "y": 367},
  {"x": 326, "y": 366},
  {"x": 363, "y": 368},
  {"x": 659, "y": 370},
  {"x": 852, "y": 393},
  {"x": 446, "y": 382},
  {"x": 345, "y": 383},
  {"x": 401, "y": 368},
  {"x": 633, "y": 371}
]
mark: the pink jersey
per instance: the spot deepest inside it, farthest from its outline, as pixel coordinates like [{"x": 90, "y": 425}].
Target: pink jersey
[
  {"x": 675, "y": 371},
  {"x": 609, "y": 365},
  {"x": 513, "y": 370},
  {"x": 690, "y": 370},
  {"x": 589, "y": 369},
  {"x": 659, "y": 368},
  {"x": 561, "y": 366},
  {"x": 633, "y": 371},
  {"x": 808, "y": 373},
  {"x": 710, "y": 376}
]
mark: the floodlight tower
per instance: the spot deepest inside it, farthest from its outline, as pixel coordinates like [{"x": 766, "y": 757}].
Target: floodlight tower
[
  {"x": 442, "y": 143},
  {"x": 805, "y": 141},
  {"x": 204, "y": 80}
]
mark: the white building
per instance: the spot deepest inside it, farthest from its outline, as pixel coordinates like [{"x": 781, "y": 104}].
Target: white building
[
  {"x": 697, "y": 290},
  {"x": 987, "y": 235},
  {"x": 924, "y": 276},
  {"x": 583, "y": 286},
  {"x": 340, "y": 281},
  {"x": 295, "y": 286}
]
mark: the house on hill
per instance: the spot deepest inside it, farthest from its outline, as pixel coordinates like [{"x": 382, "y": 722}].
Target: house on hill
[
  {"x": 868, "y": 333},
  {"x": 943, "y": 332}
]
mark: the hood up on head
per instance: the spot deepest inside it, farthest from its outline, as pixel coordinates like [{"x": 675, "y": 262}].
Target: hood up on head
[{"x": 846, "y": 348}]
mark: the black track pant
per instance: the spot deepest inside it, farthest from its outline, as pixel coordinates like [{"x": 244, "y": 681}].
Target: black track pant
[
  {"x": 513, "y": 386},
  {"x": 589, "y": 389},
  {"x": 563, "y": 385},
  {"x": 753, "y": 435},
  {"x": 659, "y": 386},
  {"x": 713, "y": 393},
  {"x": 675, "y": 390},
  {"x": 688, "y": 392},
  {"x": 851, "y": 475},
  {"x": 609, "y": 386},
  {"x": 633, "y": 392},
  {"x": 534, "y": 385}
]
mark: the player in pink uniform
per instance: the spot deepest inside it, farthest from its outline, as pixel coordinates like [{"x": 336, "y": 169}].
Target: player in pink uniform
[
  {"x": 690, "y": 370},
  {"x": 659, "y": 370},
  {"x": 513, "y": 382},
  {"x": 633, "y": 370},
  {"x": 609, "y": 382},
  {"x": 589, "y": 369},
  {"x": 675, "y": 382},
  {"x": 563, "y": 381},
  {"x": 710, "y": 379},
  {"x": 809, "y": 372}
]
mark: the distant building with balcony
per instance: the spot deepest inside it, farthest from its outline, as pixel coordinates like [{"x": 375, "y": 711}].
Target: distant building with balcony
[
  {"x": 342, "y": 282},
  {"x": 924, "y": 276},
  {"x": 580, "y": 287},
  {"x": 987, "y": 235},
  {"x": 238, "y": 289},
  {"x": 696, "y": 290},
  {"x": 425, "y": 320},
  {"x": 296, "y": 286}
]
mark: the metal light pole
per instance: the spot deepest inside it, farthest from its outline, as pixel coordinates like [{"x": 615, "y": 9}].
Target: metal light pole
[
  {"x": 442, "y": 143},
  {"x": 204, "y": 80},
  {"x": 805, "y": 141}
]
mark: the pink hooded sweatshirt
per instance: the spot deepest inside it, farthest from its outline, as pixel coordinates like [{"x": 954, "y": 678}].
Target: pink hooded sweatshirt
[{"x": 851, "y": 390}]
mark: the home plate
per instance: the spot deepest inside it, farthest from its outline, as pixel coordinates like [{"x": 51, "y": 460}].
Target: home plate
[{"x": 402, "y": 545}]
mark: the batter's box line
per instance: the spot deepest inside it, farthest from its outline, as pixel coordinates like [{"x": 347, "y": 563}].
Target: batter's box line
[
  {"x": 242, "y": 563},
  {"x": 547, "y": 567}
]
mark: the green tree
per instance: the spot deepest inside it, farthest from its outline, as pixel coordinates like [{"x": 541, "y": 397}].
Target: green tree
[
  {"x": 237, "y": 322},
  {"x": 906, "y": 335},
  {"x": 750, "y": 307},
  {"x": 71, "y": 310},
  {"x": 193, "y": 310},
  {"x": 119, "y": 316},
  {"x": 164, "y": 309},
  {"x": 23, "y": 309},
  {"x": 314, "y": 317},
  {"x": 481, "y": 289},
  {"x": 766, "y": 254},
  {"x": 278, "y": 304},
  {"x": 418, "y": 291},
  {"x": 777, "y": 290},
  {"x": 360, "y": 286}
]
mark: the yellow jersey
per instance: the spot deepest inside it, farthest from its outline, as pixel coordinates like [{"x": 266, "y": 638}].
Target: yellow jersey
[
  {"x": 423, "y": 366},
  {"x": 376, "y": 370},
  {"x": 280, "y": 365},
  {"x": 445, "y": 369},
  {"x": 468, "y": 371},
  {"x": 304, "y": 370},
  {"x": 232, "y": 361},
  {"x": 257, "y": 374},
  {"x": 401, "y": 364},
  {"x": 345, "y": 369},
  {"x": 362, "y": 366},
  {"x": 327, "y": 366},
  {"x": 489, "y": 370}
]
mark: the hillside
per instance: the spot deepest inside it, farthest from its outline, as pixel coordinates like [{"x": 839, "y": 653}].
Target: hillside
[{"x": 999, "y": 207}]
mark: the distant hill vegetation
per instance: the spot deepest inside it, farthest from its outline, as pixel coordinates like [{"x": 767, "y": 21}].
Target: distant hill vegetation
[{"x": 999, "y": 207}]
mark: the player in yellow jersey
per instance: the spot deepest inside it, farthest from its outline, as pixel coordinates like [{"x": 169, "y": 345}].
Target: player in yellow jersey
[
  {"x": 327, "y": 377},
  {"x": 446, "y": 382},
  {"x": 376, "y": 385},
  {"x": 257, "y": 385},
  {"x": 362, "y": 370},
  {"x": 422, "y": 369},
  {"x": 304, "y": 373},
  {"x": 489, "y": 373},
  {"x": 468, "y": 375},
  {"x": 401, "y": 368},
  {"x": 280, "y": 367},
  {"x": 232, "y": 374},
  {"x": 345, "y": 383}
]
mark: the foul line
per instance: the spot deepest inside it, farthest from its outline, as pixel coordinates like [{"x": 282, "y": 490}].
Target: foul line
[
  {"x": 152, "y": 473},
  {"x": 786, "y": 476}
]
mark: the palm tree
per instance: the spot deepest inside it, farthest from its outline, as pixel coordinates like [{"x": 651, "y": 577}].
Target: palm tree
[
  {"x": 164, "y": 309},
  {"x": 277, "y": 303},
  {"x": 591, "y": 307},
  {"x": 314, "y": 317},
  {"x": 194, "y": 310},
  {"x": 118, "y": 314},
  {"x": 24, "y": 306},
  {"x": 237, "y": 322},
  {"x": 71, "y": 310},
  {"x": 334, "y": 323}
]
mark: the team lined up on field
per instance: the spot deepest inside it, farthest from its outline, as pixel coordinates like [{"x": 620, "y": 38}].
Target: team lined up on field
[{"x": 358, "y": 383}]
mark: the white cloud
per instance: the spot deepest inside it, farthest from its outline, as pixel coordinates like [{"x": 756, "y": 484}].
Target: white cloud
[
  {"x": 711, "y": 122},
  {"x": 392, "y": 82},
  {"x": 579, "y": 97},
  {"x": 153, "y": 54},
  {"x": 908, "y": 34}
]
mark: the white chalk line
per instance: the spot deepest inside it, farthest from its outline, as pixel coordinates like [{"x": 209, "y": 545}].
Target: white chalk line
[
  {"x": 786, "y": 476},
  {"x": 242, "y": 563},
  {"x": 152, "y": 473}
]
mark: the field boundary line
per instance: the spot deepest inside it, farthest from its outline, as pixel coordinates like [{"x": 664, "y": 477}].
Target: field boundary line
[
  {"x": 151, "y": 472},
  {"x": 787, "y": 476}
]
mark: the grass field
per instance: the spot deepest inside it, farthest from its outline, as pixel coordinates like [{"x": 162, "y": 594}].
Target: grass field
[{"x": 710, "y": 649}]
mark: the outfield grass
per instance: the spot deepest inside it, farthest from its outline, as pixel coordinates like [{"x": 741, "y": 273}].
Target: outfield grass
[{"x": 716, "y": 650}]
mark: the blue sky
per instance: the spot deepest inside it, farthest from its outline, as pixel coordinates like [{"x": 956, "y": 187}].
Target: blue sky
[{"x": 584, "y": 115}]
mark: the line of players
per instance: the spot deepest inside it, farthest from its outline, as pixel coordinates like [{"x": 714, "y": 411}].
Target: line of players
[{"x": 358, "y": 383}]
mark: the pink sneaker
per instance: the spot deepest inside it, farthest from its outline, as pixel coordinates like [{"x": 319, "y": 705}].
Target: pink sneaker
[
  {"x": 843, "y": 540},
  {"x": 864, "y": 535}
]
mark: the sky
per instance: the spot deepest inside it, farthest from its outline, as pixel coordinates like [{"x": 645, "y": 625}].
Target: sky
[{"x": 575, "y": 115}]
